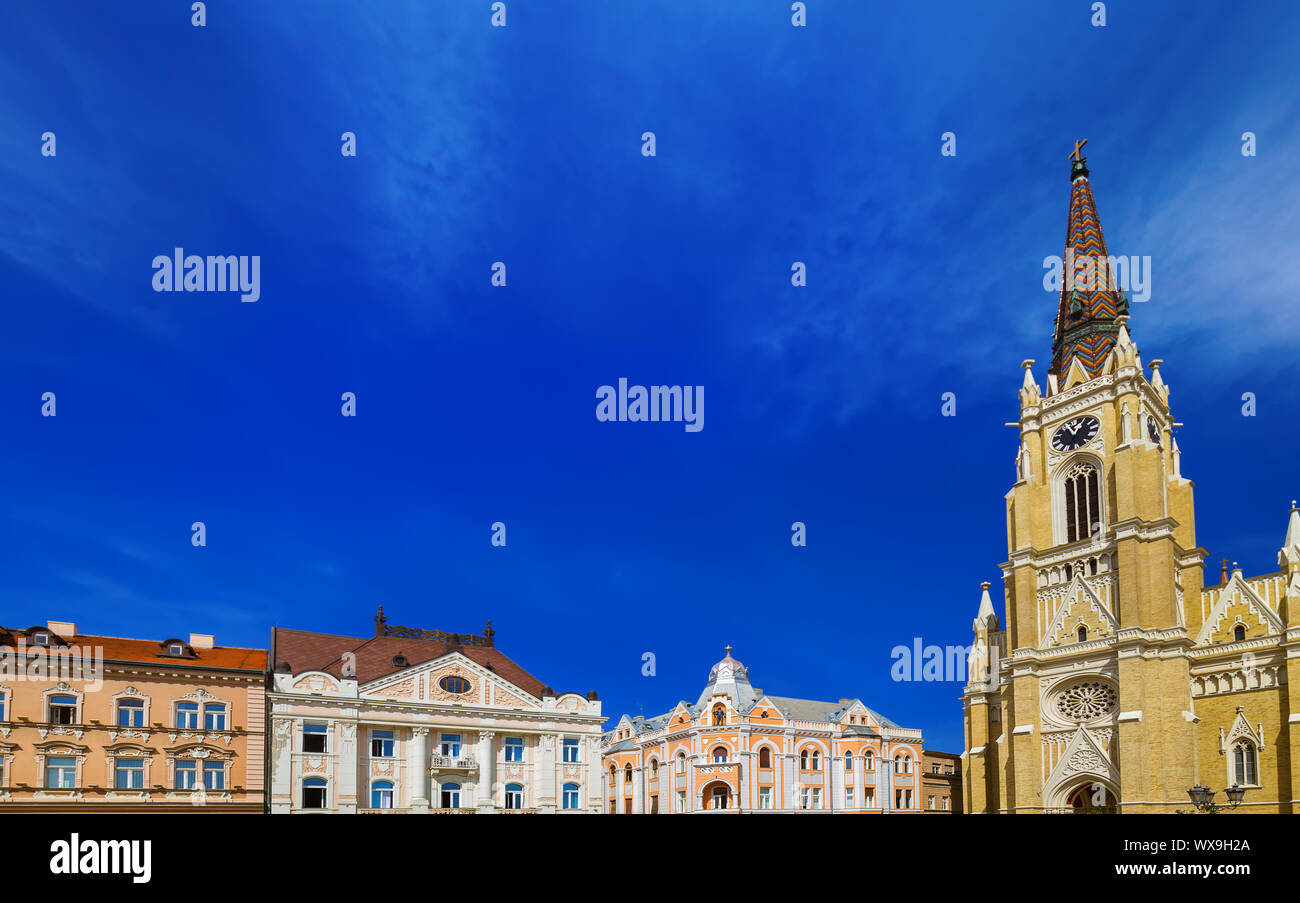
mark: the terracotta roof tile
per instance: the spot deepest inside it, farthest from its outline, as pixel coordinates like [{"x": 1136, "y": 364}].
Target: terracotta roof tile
[
  {"x": 306, "y": 651},
  {"x": 122, "y": 649}
]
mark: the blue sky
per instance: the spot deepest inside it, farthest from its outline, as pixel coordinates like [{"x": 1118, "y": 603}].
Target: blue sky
[{"x": 476, "y": 404}]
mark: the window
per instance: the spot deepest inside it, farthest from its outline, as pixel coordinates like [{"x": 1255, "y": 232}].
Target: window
[
  {"x": 128, "y": 774},
  {"x": 63, "y": 710},
  {"x": 848, "y": 798},
  {"x": 514, "y": 796},
  {"x": 177, "y": 649},
  {"x": 40, "y": 638},
  {"x": 627, "y": 773},
  {"x": 804, "y": 795},
  {"x": 130, "y": 713},
  {"x": 570, "y": 750},
  {"x": 935, "y": 768},
  {"x": 381, "y": 795},
  {"x": 868, "y": 761},
  {"x": 945, "y": 804},
  {"x": 1243, "y": 764},
  {"x": 816, "y": 760},
  {"x": 654, "y": 768},
  {"x": 848, "y": 761},
  {"x": 186, "y": 775},
  {"x": 61, "y": 772},
  {"x": 454, "y": 684},
  {"x": 1083, "y": 634},
  {"x": 613, "y": 775},
  {"x": 765, "y": 758},
  {"x": 570, "y": 796},
  {"x": 681, "y": 763},
  {"x": 720, "y": 797},
  {"x": 315, "y": 738},
  {"x": 214, "y": 716},
  {"x": 627, "y": 807},
  {"x": 681, "y": 800},
  {"x": 514, "y": 749},
  {"x": 1082, "y": 489},
  {"x": 816, "y": 797},
  {"x": 1239, "y": 633},
  {"x": 451, "y": 746},
  {"x": 719, "y": 715},
  {"x": 719, "y": 754},
  {"x": 803, "y": 762},
  {"x": 214, "y": 775},
  {"x": 3, "y": 700},
  {"x": 314, "y": 793},
  {"x": 451, "y": 796},
  {"x": 931, "y": 803},
  {"x": 381, "y": 746},
  {"x": 187, "y": 716},
  {"x": 654, "y": 804},
  {"x": 765, "y": 797}
]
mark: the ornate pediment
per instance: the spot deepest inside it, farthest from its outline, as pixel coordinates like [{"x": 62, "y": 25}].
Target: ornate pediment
[
  {"x": 1240, "y": 730},
  {"x": 1237, "y": 604},
  {"x": 1078, "y": 605},
  {"x": 1082, "y": 758}
]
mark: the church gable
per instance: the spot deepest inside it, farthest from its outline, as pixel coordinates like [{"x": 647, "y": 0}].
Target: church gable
[
  {"x": 1081, "y": 608},
  {"x": 1237, "y": 604}
]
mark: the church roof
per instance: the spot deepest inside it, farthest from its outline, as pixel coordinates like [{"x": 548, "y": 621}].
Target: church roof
[{"x": 1087, "y": 314}]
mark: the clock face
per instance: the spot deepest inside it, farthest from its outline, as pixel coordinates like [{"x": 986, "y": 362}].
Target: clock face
[
  {"x": 1075, "y": 433},
  {"x": 1153, "y": 431}
]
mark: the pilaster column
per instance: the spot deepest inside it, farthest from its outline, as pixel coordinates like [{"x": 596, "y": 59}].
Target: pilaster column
[
  {"x": 486, "y": 763},
  {"x": 347, "y": 766},
  {"x": 546, "y": 787},
  {"x": 417, "y": 769},
  {"x": 859, "y": 781}
]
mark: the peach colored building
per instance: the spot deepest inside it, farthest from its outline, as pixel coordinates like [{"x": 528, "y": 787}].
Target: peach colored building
[
  {"x": 739, "y": 749},
  {"x": 126, "y": 725}
]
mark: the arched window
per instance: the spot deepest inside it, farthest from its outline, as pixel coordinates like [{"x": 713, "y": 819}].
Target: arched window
[
  {"x": 898, "y": 764},
  {"x": 381, "y": 795},
  {"x": 681, "y": 763},
  {"x": 514, "y": 796},
  {"x": 803, "y": 760},
  {"x": 654, "y": 768},
  {"x": 1244, "y": 770},
  {"x": 1082, "y": 488},
  {"x": 765, "y": 758},
  {"x": 314, "y": 794},
  {"x": 719, "y": 715},
  {"x": 450, "y": 796},
  {"x": 1083, "y": 634},
  {"x": 719, "y": 754},
  {"x": 1239, "y": 633},
  {"x": 816, "y": 760},
  {"x": 868, "y": 760},
  {"x": 848, "y": 761},
  {"x": 627, "y": 773},
  {"x": 570, "y": 796}
]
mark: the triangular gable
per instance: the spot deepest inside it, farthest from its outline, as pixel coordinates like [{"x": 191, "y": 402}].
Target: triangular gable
[
  {"x": 766, "y": 710},
  {"x": 1241, "y": 729},
  {"x": 1081, "y": 605},
  {"x": 1237, "y": 603},
  {"x": 423, "y": 682},
  {"x": 1076, "y": 374},
  {"x": 1083, "y": 758}
]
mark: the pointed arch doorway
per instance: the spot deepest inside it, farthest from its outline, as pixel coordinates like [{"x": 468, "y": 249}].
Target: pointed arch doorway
[{"x": 1092, "y": 797}]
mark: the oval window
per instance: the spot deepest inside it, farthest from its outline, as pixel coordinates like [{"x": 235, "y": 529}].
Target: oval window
[{"x": 454, "y": 684}]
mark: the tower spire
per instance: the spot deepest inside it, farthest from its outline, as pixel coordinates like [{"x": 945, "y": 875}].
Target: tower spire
[{"x": 1091, "y": 300}]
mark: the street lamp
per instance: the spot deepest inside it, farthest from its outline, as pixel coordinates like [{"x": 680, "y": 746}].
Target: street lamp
[{"x": 1203, "y": 798}]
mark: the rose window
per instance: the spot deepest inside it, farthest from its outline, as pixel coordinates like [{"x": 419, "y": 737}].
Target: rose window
[{"x": 1088, "y": 700}]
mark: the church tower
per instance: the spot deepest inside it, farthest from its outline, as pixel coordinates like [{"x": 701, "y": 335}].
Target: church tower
[{"x": 1082, "y": 698}]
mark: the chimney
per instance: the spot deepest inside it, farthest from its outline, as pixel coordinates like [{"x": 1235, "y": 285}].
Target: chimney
[
  {"x": 202, "y": 640},
  {"x": 65, "y": 629}
]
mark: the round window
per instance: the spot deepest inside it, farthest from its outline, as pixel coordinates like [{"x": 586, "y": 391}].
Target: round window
[
  {"x": 454, "y": 684},
  {"x": 1087, "y": 700}
]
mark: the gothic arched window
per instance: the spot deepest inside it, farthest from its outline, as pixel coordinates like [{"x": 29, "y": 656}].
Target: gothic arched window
[
  {"x": 1244, "y": 770},
  {"x": 1082, "y": 488},
  {"x": 1083, "y": 634}
]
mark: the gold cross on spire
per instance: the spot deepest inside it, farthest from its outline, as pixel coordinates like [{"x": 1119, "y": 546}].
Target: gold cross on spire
[{"x": 1078, "y": 150}]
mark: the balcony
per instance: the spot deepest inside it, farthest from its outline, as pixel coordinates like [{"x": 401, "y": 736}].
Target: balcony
[{"x": 452, "y": 763}]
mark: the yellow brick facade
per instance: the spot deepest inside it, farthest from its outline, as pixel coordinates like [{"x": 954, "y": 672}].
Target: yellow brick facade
[{"x": 1115, "y": 679}]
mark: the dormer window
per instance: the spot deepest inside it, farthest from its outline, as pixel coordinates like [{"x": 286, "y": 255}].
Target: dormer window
[
  {"x": 41, "y": 638},
  {"x": 175, "y": 649}
]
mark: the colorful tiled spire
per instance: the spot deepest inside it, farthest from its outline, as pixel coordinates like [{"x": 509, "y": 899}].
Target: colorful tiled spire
[{"x": 1091, "y": 301}]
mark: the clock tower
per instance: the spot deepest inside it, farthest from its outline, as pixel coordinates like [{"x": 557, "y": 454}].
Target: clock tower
[{"x": 1082, "y": 699}]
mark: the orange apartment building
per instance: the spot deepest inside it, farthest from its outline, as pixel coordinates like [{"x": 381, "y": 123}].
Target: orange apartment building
[
  {"x": 127, "y": 725},
  {"x": 739, "y": 749}
]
